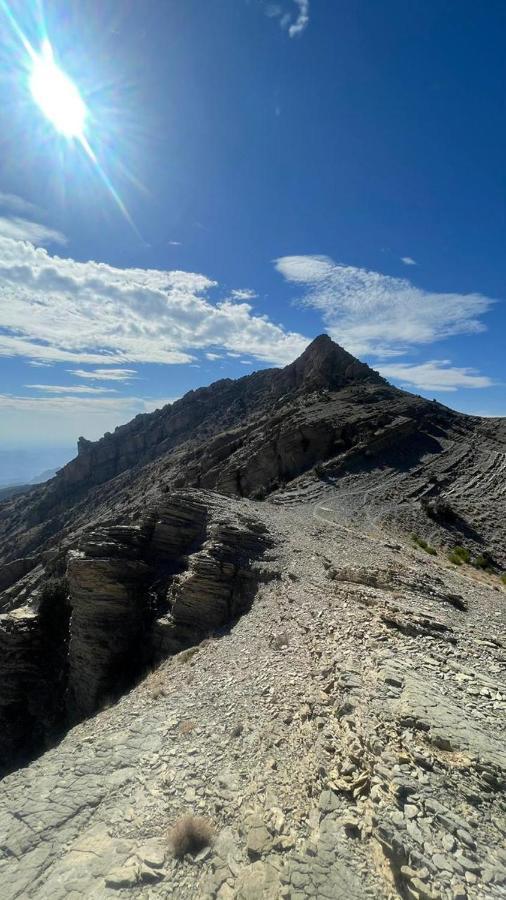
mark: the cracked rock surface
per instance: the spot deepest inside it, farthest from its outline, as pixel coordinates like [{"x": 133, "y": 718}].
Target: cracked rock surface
[{"x": 336, "y": 754}]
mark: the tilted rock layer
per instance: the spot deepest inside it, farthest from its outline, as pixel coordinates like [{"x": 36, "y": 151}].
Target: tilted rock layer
[{"x": 224, "y": 598}]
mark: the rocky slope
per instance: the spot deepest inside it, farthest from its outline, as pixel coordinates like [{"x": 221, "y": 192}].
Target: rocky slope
[{"x": 223, "y": 604}]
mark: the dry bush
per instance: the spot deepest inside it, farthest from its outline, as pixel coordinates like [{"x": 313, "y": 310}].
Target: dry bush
[
  {"x": 280, "y": 641},
  {"x": 187, "y": 726},
  {"x": 155, "y": 684},
  {"x": 157, "y": 691},
  {"x": 190, "y": 834},
  {"x": 185, "y": 656}
]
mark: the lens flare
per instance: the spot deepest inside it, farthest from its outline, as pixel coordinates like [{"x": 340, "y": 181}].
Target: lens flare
[{"x": 56, "y": 95}]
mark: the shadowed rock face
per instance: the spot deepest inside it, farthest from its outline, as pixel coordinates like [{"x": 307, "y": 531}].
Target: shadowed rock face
[{"x": 133, "y": 595}]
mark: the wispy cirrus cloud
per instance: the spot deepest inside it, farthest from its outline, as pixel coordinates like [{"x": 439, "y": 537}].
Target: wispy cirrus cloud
[
  {"x": 60, "y": 310},
  {"x": 70, "y": 389},
  {"x": 18, "y": 205},
  {"x": 371, "y": 313},
  {"x": 293, "y": 21},
  {"x": 19, "y": 229},
  {"x": 435, "y": 375},
  {"x": 409, "y": 261},
  {"x": 124, "y": 375},
  {"x": 18, "y": 222}
]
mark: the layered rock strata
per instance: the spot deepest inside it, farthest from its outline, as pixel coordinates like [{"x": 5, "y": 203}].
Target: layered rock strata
[{"x": 136, "y": 594}]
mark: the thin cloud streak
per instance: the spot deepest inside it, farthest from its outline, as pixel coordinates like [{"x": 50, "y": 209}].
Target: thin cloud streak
[
  {"x": 19, "y": 229},
  {"x": 70, "y": 389},
  {"x": 123, "y": 375},
  {"x": 435, "y": 375},
  {"x": 18, "y": 205}
]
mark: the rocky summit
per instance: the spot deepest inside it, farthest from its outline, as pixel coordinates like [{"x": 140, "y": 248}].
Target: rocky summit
[{"x": 252, "y": 646}]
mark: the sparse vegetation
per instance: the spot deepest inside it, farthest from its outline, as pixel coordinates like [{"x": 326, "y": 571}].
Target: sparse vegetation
[
  {"x": 185, "y": 655},
  {"x": 503, "y": 578},
  {"x": 420, "y": 542},
  {"x": 187, "y": 727},
  {"x": 482, "y": 561},
  {"x": 280, "y": 641},
  {"x": 190, "y": 834},
  {"x": 459, "y": 555}
]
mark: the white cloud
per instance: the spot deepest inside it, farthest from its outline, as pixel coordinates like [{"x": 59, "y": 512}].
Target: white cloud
[
  {"x": 175, "y": 243},
  {"x": 104, "y": 374},
  {"x": 18, "y": 229},
  {"x": 243, "y": 294},
  {"x": 302, "y": 20},
  {"x": 18, "y": 205},
  {"x": 60, "y": 310},
  {"x": 214, "y": 356},
  {"x": 409, "y": 261},
  {"x": 435, "y": 375},
  {"x": 70, "y": 389},
  {"x": 371, "y": 313},
  {"x": 37, "y": 363},
  {"x": 294, "y": 22}
]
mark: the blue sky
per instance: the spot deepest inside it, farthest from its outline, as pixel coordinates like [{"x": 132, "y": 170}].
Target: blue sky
[{"x": 258, "y": 172}]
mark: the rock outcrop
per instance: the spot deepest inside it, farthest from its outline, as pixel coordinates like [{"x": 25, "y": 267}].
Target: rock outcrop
[{"x": 133, "y": 595}]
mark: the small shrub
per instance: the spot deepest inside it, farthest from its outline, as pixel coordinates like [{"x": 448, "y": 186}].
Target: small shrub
[
  {"x": 460, "y": 553},
  {"x": 482, "y": 561},
  {"x": 280, "y": 641},
  {"x": 190, "y": 834},
  {"x": 187, "y": 727},
  {"x": 185, "y": 656},
  {"x": 420, "y": 542},
  {"x": 455, "y": 558},
  {"x": 463, "y": 552},
  {"x": 157, "y": 691},
  {"x": 503, "y": 578}
]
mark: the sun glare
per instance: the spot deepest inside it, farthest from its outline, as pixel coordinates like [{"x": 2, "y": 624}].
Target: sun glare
[{"x": 56, "y": 95}]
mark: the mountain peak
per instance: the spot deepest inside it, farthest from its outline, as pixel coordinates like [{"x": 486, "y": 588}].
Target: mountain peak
[{"x": 325, "y": 364}]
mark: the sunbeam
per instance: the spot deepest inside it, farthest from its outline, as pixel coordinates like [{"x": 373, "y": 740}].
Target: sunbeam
[{"x": 61, "y": 102}]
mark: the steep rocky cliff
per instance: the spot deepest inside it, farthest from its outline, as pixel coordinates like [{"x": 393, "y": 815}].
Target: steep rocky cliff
[{"x": 130, "y": 596}]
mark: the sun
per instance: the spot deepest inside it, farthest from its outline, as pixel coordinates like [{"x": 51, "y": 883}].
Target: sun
[{"x": 56, "y": 95}]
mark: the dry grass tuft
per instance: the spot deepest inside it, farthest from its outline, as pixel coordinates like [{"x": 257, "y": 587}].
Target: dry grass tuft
[
  {"x": 190, "y": 834},
  {"x": 155, "y": 685},
  {"x": 187, "y": 726}
]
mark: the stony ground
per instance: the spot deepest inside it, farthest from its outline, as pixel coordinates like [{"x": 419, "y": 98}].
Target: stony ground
[{"x": 345, "y": 739}]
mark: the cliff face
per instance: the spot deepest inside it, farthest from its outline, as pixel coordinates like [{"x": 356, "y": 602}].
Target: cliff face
[
  {"x": 323, "y": 365},
  {"x": 129, "y": 597}
]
